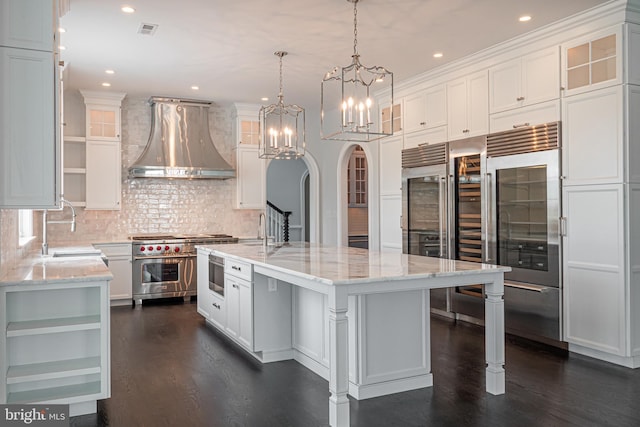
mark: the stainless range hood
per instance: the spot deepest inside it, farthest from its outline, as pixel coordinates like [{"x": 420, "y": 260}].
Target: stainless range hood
[{"x": 180, "y": 144}]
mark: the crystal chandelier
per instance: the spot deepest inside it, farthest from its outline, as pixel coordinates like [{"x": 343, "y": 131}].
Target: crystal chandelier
[
  {"x": 356, "y": 101},
  {"x": 282, "y": 134}
]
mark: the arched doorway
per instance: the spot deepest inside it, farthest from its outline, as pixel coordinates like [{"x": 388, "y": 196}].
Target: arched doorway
[{"x": 293, "y": 186}]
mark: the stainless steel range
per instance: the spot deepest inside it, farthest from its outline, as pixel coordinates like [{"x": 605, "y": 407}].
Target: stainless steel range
[{"x": 164, "y": 266}]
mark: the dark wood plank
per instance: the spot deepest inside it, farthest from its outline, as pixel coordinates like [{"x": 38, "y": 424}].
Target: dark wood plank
[{"x": 170, "y": 369}]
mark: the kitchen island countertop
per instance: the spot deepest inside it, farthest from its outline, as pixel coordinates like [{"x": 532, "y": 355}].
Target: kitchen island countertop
[{"x": 335, "y": 265}]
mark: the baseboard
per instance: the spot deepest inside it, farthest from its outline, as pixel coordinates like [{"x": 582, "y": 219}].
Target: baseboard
[
  {"x": 632, "y": 362},
  {"x": 367, "y": 391},
  {"x": 311, "y": 364},
  {"x": 275, "y": 355}
]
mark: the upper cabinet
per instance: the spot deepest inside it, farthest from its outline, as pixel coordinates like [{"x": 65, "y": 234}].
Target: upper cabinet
[
  {"x": 425, "y": 109},
  {"x": 525, "y": 81},
  {"x": 391, "y": 118},
  {"x": 28, "y": 24},
  {"x": 103, "y": 150},
  {"x": 30, "y": 175},
  {"x": 250, "y": 168},
  {"x": 593, "y": 62},
  {"x": 468, "y": 106}
]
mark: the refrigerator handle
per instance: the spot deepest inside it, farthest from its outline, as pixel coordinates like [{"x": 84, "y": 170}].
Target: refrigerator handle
[
  {"x": 563, "y": 226},
  {"x": 487, "y": 218},
  {"x": 450, "y": 226},
  {"x": 443, "y": 214}
]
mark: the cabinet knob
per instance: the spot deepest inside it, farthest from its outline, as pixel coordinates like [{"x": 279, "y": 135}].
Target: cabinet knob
[
  {"x": 423, "y": 123},
  {"x": 520, "y": 98},
  {"x": 465, "y": 131}
]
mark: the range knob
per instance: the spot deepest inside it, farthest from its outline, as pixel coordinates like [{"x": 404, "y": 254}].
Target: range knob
[
  {"x": 166, "y": 248},
  {"x": 142, "y": 249},
  {"x": 177, "y": 249},
  {"x": 150, "y": 248},
  {"x": 159, "y": 247}
]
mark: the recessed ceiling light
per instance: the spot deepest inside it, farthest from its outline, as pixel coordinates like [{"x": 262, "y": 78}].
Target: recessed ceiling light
[
  {"x": 106, "y": 84},
  {"x": 195, "y": 87},
  {"x": 264, "y": 98},
  {"x": 524, "y": 18},
  {"x": 437, "y": 55},
  {"x": 62, "y": 30},
  {"x": 109, "y": 71},
  {"x": 127, "y": 9},
  {"x": 62, "y": 47}
]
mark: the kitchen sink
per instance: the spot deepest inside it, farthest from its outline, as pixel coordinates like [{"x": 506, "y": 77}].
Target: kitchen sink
[{"x": 75, "y": 253}]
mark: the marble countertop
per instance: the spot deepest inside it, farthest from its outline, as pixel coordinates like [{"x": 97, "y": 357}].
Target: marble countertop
[
  {"x": 341, "y": 264},
  {"x": 73, "y": 267}
]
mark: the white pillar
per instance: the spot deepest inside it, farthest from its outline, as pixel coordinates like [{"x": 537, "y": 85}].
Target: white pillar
[
  {"x": 338, "y": 358},
  {"x": 494, "y": 334}
]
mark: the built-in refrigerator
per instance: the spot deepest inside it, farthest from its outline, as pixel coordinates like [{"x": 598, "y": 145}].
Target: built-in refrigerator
[{"x": 424, "y": 207}]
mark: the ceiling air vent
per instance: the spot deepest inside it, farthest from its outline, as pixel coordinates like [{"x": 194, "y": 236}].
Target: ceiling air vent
[{"x": 147, "y": 29}]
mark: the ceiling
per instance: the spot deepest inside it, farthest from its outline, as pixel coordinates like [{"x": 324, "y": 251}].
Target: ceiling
[{"x": 226, "y": 47}]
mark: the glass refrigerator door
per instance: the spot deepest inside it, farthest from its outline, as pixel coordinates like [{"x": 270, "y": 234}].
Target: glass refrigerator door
[
  {"x": 426, "y": 216},
  {"x": 522, "y": 221}
]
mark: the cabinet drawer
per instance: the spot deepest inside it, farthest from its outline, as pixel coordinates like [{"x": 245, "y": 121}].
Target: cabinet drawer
[
  {"x": 429, "y": 136},
  {"x": 526, "y": 116},
  {"x": 217, "y": 310},
  {"x": 237, "y": 268}
]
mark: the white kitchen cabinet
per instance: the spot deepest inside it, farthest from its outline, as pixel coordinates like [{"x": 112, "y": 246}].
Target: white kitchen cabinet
[
  {"x": 29, "y": 134},
  {"x": 592, "y": 137},
  {"x": 594, "y": 268},
  {"x": 390, "y": 227},
  {"x": 632, "y": 55},
  {"x": 204, "y": 297},
  {"x": 427, "y": 136},
  {"x": 391, "y": 118},
  {"x": 390, "y": 165},
  {"x": 250, "y": 177},
  {"x": 537, "y": 114},
  {"x": 468, "y": 106},
  {"x": 119, "y": 258},
  {"x": 592, "y": 62},
  {"x": 251, "y": 172},
  {"x": 28, "y": 24},
  {"x": 103, "y": 149},
  {"x": 54, "y": 344},
  {"x": 103, "y": 182},
  {"x": 425, "y": 109},
  {"x": 239, "y": 300},
  {"x": 525, "y": 81}
]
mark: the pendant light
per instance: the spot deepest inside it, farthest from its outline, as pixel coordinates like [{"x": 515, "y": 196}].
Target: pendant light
[
  {"x": 356, "y": 101},
  {"x": 282, "y": 134}
]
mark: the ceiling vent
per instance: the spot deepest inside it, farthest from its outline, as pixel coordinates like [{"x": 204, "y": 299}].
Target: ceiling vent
[{"x": 147, "y": 29}]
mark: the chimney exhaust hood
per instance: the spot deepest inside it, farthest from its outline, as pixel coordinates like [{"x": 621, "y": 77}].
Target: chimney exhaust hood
[{"x": 180, "y": 144}]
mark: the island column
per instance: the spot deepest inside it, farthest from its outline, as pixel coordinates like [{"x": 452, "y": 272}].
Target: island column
[{"x": 338, "y": 357}]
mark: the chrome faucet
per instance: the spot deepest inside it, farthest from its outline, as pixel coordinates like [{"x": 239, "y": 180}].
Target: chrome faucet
[
  {"x": 262, "y": 228},
  {"x": 45, "y": 221}
]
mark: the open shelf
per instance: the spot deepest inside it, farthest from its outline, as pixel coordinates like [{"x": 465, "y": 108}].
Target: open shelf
[
  {"x": 48, "y": 326},
  {"x": 55, "y": 394},
  {"x": 53, "y": 370}
]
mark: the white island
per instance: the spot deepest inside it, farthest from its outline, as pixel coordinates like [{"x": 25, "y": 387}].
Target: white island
[{"x": 356, "y": 282}]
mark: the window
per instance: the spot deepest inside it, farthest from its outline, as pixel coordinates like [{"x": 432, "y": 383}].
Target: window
[
  {"x": 357, "y": 179},
  {"x": 25, "y": 226}
]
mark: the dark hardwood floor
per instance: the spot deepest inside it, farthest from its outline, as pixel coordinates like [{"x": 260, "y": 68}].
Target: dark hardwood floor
[{"x": 169, "y": 369}]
